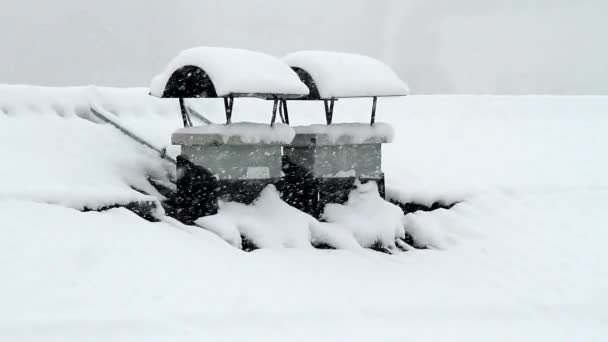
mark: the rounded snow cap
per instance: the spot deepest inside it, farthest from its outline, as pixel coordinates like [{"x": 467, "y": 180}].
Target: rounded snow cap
[
  {"x": 223, "y": 72},
  {"x": 339, "y": 75}
]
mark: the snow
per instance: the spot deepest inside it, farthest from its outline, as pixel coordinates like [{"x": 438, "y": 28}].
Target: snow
[
  {"x": 56, "y": 150},
  {"x": 371, "y": 219},
  {"x": 338, "y": 74},
  {"x": 350, "y": 133},
  {"x": 526, "y": 267},
  {"x": 223, "y": 227},
  {"x": 450, "y": 147},
  {"x": 235, "y": 71},
  {"x": 445, "y": 148},
  {"x": 262, "y": 222},
  {"x": 145, "y": 115},
  {"x": 366, "y": 220},
  {"x": 333, "y": 235},
  {"x": 522, "y": 257},
  {"x": 236, "y": 133},
  {"x": 54, "y": 160}
]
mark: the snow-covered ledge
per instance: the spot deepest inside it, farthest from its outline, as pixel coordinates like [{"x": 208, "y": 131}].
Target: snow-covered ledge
[
  {"x": 343, "y": 134},
  {"x": 242, "y": 133}
]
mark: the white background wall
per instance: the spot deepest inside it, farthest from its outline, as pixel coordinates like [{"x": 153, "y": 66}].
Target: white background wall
[{"x": 438, "y": 46}]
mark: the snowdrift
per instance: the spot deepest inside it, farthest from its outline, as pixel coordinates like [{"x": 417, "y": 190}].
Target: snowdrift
[
  {"x": 364, "y": 221},
  {"x": 512, "y": 267},
  {"x": 57, "y": 151},
  {"x": 445, "y": 149},
  {"x": 520, "y": 258}
]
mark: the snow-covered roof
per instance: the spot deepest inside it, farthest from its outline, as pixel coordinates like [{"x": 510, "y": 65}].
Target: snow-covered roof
[
  {"x": 234, "y": 71},
  {"x": 337, "y": 74}
]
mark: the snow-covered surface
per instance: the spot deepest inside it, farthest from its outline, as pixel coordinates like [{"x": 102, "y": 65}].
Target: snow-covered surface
[
  {"x": 445, "y": 148},
  {"x": 72, "y": 162},
  {"x": 351, "y": 133},
  {"x": 56, "y": 151},
  {"x": 370, "y": 219},
  {"x": 366, "y": 220},
  {"x": 521, "y": 258},
  {"x": 134, "y": 108},
  {"x": 338, "y": 74},
  {"x": 515, "y": 268},
  {"x": 268, "y": 222},
  {"x": 235, "y": 71},
  {"x": 448, "y": 148},
  {"x": 238, "y": 132}
]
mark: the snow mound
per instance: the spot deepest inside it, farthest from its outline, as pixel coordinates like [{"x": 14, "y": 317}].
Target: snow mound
[
  {"x": 339, "y": 74},
  {"x": 239, "y": 133},
  {"x": 536, "y": 270},
  {"x": 333, "y": 235},
  {"x": 441, "y": 228},
  {"x": 235, "y": 71},
  {"x": 73, "y": 162},
  {"x": 371, "y": 219},
  {"x": 268, "y": 222},
  {"x": 59, "y": 152},
  {"x": 222, "y": 226},
  {"x": 350, "y": 133},
  {"x": 149, "y": 117}
]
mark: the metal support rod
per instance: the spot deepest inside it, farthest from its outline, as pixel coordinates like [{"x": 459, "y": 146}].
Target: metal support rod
[
  {"x": 374, "y": 111},
  {"x": 281, "y": 111},
  {"x": 228, "y": 105},
  {"x": 185, "y": 117},
  {"x": 194, "y": 113},
  {"x": 274, "y": 111},
  {"x": 286, "y": 113},
  {"x": 106, "y": 117},
  {"x": 329, "y": 110}
]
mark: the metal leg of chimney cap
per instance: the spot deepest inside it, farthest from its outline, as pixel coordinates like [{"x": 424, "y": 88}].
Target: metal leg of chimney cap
[
  {"x": 274, "y": 111},
  {"x": 329, "y": 110},
  {"x": 286, "y": 113},
  {"x": 281, "y": 111},
  {"x": 228, "y": 104},
  {"x": 374, "y": 111},
  {"x": 188, "y": 116},
  {"x": 185, "y": 116},
  {"x": 231, "y": 107}
]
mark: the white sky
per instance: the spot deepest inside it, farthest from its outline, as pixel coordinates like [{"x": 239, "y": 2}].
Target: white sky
[{"x": 437, "y": 46}]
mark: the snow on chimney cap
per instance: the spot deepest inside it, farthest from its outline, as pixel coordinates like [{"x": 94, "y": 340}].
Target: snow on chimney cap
[
  {"x": 224, "y": 72},
  {"x": 341, "y": 75}
]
